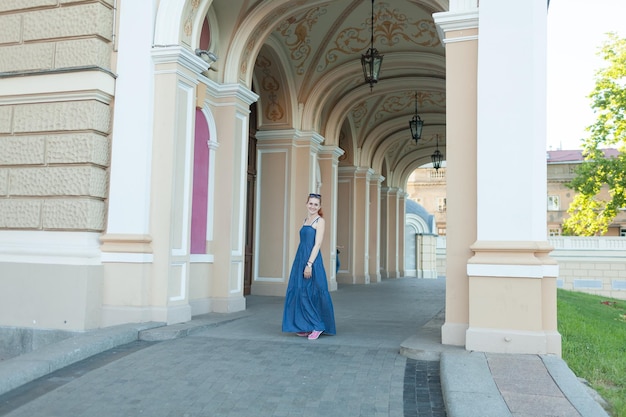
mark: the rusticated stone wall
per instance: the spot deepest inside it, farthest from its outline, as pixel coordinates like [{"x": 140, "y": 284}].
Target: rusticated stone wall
[{"x": 55, "y": 120}]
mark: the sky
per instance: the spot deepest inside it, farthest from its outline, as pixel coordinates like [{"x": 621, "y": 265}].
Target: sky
[{"x": 576, "y": 31}]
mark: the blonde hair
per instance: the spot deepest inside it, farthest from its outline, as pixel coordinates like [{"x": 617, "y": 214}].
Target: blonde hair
[{"x": 319, "y": 197}]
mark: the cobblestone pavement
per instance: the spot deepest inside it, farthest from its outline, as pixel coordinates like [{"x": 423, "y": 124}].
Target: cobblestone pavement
[{"x": 246, "y": 367}]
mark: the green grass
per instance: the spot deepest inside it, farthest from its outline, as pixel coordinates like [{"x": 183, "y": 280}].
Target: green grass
[{"x": 593, "y": 331}]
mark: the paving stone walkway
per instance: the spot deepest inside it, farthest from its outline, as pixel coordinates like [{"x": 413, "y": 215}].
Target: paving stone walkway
[{"x": 246, "y": 367}]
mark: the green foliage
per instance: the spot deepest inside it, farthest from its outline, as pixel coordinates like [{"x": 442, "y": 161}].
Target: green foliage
[
  {"x": 593, "y": 332},
  {"x": 590, "y": 214}
]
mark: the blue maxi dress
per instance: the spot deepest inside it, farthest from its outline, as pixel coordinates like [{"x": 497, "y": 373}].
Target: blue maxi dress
[{"x": 308, "y": 305}]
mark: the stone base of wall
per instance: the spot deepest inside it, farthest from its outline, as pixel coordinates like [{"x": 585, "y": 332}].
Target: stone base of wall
[
  {"x": 607, "y": 279},
  {"x": 15, "y": 341}
]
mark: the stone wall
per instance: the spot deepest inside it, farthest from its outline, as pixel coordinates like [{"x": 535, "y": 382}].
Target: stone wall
[{"x": 55, "y": 113}]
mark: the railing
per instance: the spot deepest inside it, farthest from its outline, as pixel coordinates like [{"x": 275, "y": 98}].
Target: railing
[
  {"x": 595, "y": 265},
  {"x": 593, "y": 243},
  {"x": 573, "y": 243}
]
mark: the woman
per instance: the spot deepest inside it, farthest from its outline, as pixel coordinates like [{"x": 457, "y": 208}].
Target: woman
[{"x": 308, "y": 306}]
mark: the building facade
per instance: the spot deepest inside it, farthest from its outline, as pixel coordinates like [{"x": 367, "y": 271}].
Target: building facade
[
  {"x": 562, "y": 166},
  {"x": 155, "y": 156},
  {"x": 428, "y": 188}
]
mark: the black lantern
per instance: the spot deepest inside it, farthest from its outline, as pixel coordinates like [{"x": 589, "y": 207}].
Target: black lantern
[
  {"x": 372, "y": 60},
  {"x": 416, "y": 124},
  {"x": 437, "y": 157}
]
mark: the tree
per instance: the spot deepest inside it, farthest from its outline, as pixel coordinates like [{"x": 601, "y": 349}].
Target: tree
[{"x": 591, "y": 214}]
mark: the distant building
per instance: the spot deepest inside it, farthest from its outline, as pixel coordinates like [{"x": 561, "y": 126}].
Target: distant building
[
  {"x": 428, "y": 188},
  {"x": 561, "y": 170}
]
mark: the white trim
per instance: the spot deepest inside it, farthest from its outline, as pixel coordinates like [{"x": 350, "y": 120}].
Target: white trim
[
  {"x": 208, "y": 258},
  {"x": 127, "y": 258},
  {"x": 460, "y": 39},
  {"x": 130, "y": 171},
  {"x": 168, "y": 19},
  {"x": 188, "y": 97},
  {"x": 212, "y": 145},
  {"x": 57, "y": 248},
  {"x": 44, "y": 88},
  {"x": 183, "y": 281},
  {"x": 512, "y": 271},
  {"x": 240, "y": 166}
]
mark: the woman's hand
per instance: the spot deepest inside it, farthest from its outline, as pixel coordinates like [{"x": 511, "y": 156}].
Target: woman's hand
[{"x": 308, "y": 271}]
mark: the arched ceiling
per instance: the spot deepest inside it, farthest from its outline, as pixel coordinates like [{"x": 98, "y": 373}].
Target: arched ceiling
[{"x": 307, "y": 72}]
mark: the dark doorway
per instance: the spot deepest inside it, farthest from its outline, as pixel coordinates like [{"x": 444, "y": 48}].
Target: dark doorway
[{"x": 249, "y": 249}]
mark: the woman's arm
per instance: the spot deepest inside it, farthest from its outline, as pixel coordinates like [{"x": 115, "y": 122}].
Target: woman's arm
[{"x": 319, "y": 237}]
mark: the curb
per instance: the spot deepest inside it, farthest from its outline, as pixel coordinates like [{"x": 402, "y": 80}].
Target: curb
[
  {"x": 573, "y": 389},
  {"x": 468, "y": 387},
  {"x": 25, "y": 368}
]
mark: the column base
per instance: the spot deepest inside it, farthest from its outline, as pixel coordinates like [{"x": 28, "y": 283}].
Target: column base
[
  {"x": 453, "y": 333},
  {"x": 229, "y": 304},
  {"x": 353, "y": 279},
  {"x": 115, "y": 315},
  {"x": 427, "y": 273},
  {"x": 200, "y": 306},
  {"x": 513, "y": 341}
]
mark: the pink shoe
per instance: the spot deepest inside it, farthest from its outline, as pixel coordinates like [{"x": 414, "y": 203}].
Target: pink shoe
[
  {"x": 302, "y": 334},
  {"x": 315, "y": 334}
]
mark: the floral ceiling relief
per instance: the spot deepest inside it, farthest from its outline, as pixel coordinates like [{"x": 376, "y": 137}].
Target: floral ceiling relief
[
  {"x": 269, "y": 89},
  {"x": 390, "y": 28},
  {"x": 295, "y": 31},
  {"x": 358, "y": 113},
  {"x": 256, "y": 35},
  {"x": 397, "y": 103},
  {"x": 187, "y": 27}
]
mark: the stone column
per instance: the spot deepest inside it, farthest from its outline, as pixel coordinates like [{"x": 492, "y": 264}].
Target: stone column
[
  {"x": 401, "y": 225},
  {"x": 287, "y": 171},
  {"x": 374, "y": 228},
  {"x": 459, "y": 32},
  {"x": 384, "y": 232},
  {"x": 392, "y": 233},
  {"x": 512, "y": 281},
  {"x": 328, "y": 159},
  {"x": 231, "y": 107},
  {"x": 355, "y": 204},
  {"x": 176, "y": 70}
]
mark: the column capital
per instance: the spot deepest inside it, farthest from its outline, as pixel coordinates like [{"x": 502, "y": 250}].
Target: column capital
[
  {"x": 329, "y": 151},
  {"x": 179, "y": 55},
  {"x": 291, "y": 136},
  {"x": 376, "y": 178},
  {"x": 453, "y": 21},
  {"x": 219, "y": 94},
  {"x": 356, "y": 172}
]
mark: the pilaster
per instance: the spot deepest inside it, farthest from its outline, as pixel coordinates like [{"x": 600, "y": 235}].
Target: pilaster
[
  {"x": 390, "y": 237},
  {"x": 512, "y": 280},
  {"x": 458, "y": 30},
  {"x": 287, "y": 171},
  {"x": 354, "y": 224},
  {"x": 328, "y": 159},
  {"x": 401, "y": 229},
  {"x": 374, "y": 246},
  {"x": 230, "y": 104}
]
